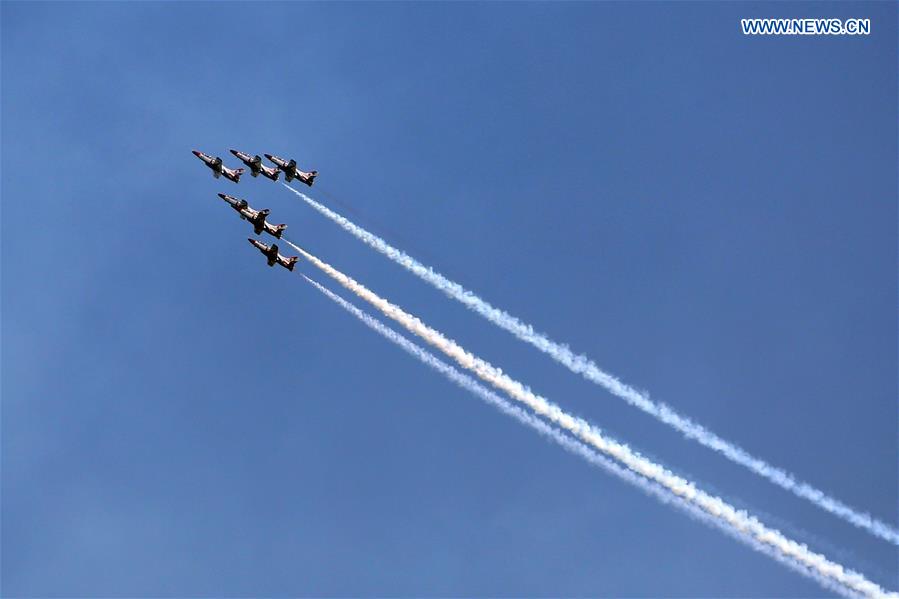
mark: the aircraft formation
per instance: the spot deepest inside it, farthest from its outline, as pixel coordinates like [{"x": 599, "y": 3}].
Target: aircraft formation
[
  {"x": 257, "y": 218},
  {"x": 577, "y": 435}
]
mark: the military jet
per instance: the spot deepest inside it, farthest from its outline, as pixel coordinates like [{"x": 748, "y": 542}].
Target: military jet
[
  {"x": 291, "y": 171},
  {"x": 218, "y": 169},
  {"x": 255, "y": 217},
  {"x": 256, "y": 166},
  {"x": 271, "y": 253}
]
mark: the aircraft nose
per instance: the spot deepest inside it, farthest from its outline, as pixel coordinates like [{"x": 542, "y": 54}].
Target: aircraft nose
[
  {"x": 221, "y": 195},
  {"x": 195, "y": 153},
  {"x": 235, "y": 152},
  {"x": 269, "y": 156}
]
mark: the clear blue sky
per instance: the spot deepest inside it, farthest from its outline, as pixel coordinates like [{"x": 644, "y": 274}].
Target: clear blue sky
[{"x": 710, "y": 216}]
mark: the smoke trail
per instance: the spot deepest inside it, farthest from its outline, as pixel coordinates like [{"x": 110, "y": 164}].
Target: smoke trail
[
  {"x": 715, "y": 507},
  {"x": 582, "y": 365},
  {"x": 575, "y": 447}
]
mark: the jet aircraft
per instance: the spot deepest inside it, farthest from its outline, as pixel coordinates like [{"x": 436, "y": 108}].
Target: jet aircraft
[
  {"x": 272, "y": 255},
  {"x": 255, "y": 217},
  {"x": 256, "y": 166},
  {"x": 218, "y": 169},
  {"x": 291, "y": 171}
]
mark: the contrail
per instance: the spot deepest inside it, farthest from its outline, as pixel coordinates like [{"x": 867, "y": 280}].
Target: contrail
[
  {"x": 740, "y": 522},
  {"x": 571, "y": 445},
  {"x": 582, "y": 365}
]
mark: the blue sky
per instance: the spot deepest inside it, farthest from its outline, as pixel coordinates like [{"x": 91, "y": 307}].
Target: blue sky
[{"x": 710, "y": 216}]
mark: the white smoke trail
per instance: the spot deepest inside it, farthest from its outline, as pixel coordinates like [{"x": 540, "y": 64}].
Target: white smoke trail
[
  {"x": 582, "y": 365},
  {"x": 739, "y": 522},
  {"x": 571, "y": 445}
]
